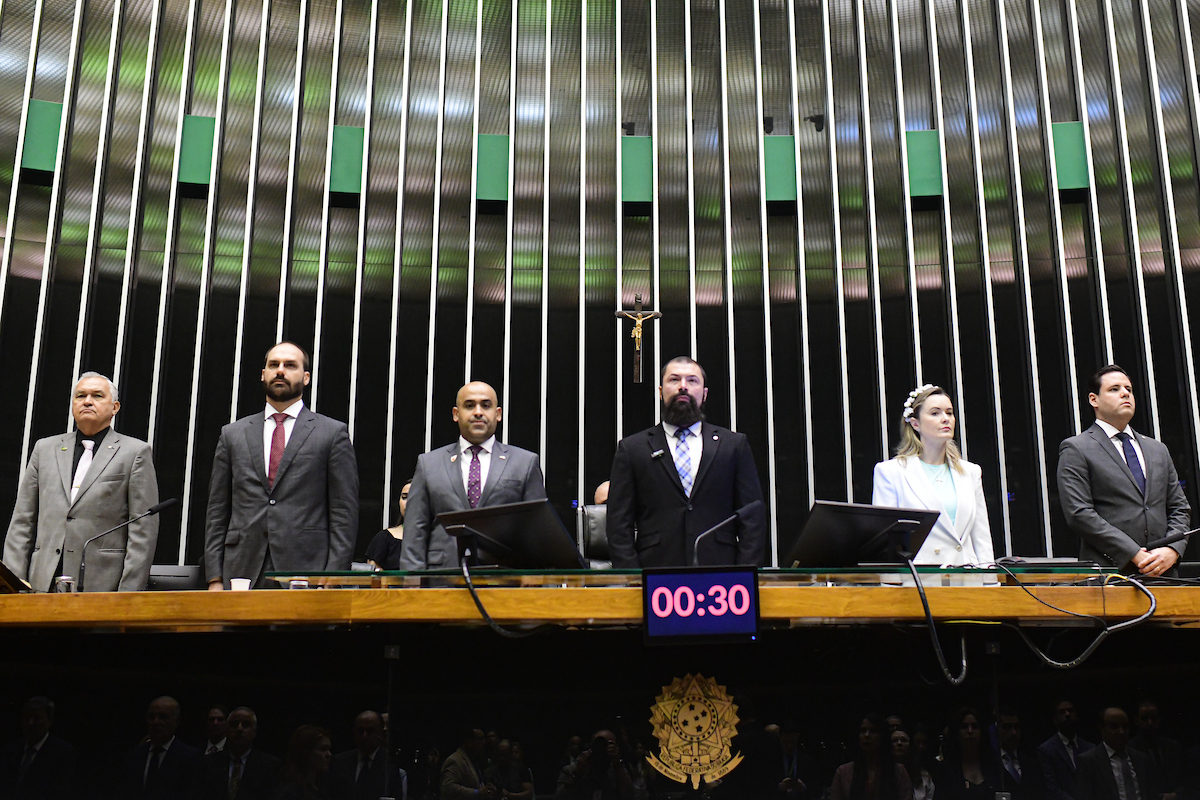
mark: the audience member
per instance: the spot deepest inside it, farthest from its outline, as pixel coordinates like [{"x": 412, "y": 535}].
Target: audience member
[
  {"x": 969, "y": 769},
  {"x": 675, "y": 482},
  {"x": 797, "y": 771},
  {"x": 572, "y": 750},
  {"x": 384, "y": 550},
  {"x": 874, "y": 774},
  {"x": 906, "y": 756},
  {"x": 1058, "y": 754},
  {"x": 240, "y": 771},
  {"x": 1112, "y": 771},
  {"x": 597, "y": 773},
  {"x": 39, "y": 766},
  {"x": 56, "y": 514},
  {"x": 476, "y": 471},
  {"x": 364, "y": 772},
  {"x": 462, "y": 773},
  {"x": 1020, "y": 774},
  {"x": 306, "y": 766},
  {"x": 509, "y": 776},
  {"x": 1164, "y": 754},
  {"x": 160, "y": 767},
  {"x": 214, "y": 727},
  {"x": 284, "y": 488}
]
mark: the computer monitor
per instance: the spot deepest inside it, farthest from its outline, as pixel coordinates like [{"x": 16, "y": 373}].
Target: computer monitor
[
  {"x": 526, "y": 535},
  {"x": 839, "y": 535}
]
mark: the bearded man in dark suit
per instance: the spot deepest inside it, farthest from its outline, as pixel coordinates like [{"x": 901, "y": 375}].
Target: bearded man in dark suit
[{"x": 675, "y": 482}]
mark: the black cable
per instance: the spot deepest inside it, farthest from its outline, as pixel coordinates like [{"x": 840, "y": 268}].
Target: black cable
[
  {"x": 505, "y": 632},
  {"x": 937, "y": 645},
  {"x": 1105, "y": 632}
]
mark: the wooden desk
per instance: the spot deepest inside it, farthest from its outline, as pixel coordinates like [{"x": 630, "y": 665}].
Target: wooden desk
[{"x": 781, "y": 606}]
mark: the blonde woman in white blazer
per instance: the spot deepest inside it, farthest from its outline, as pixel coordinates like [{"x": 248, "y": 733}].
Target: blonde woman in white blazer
[{"x": 928, "y": 472}]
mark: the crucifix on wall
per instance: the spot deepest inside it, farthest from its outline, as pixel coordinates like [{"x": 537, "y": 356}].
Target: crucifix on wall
[{"x": 638, "y": 316}]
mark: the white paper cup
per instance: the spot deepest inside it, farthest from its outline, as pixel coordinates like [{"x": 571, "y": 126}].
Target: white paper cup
[{"x": 239, "y": 584}]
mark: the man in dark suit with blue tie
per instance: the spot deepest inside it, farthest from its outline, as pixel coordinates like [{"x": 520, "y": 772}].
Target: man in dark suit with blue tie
[
  {"x": 1119, "y": 489},
  {"x": 673, "y": 483},
  {"x": 476, "y": 471}
]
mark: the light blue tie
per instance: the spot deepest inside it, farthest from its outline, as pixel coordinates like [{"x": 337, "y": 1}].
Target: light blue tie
[{"x": 683, "y": 460}]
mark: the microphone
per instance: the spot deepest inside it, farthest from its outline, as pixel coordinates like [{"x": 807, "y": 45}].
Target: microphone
[
  {"x": 1172, "y": 539},
  {"x": 162, "y": 506}
]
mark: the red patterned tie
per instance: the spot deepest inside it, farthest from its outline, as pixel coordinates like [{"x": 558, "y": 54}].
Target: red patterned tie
[{"x": 276, "y": 448}]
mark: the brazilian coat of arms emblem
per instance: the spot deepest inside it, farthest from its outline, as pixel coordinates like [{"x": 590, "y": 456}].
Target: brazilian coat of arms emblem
[{"x": 694, "y": 721}]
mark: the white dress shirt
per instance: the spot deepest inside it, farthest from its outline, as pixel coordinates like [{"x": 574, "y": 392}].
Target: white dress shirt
[
  {"x": 695, "y": 447},
  {"x": 1112, "y": 432},
  {"x": 1119, "y": 762},
  {"x": 485, "y": 460},
  {"x": 216, "y": 747},
  {"x": 293, "y": 411}
]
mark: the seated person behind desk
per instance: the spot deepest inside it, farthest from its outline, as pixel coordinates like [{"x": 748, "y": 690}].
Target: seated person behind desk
[
  {"x": 476, "y": 471},
  {"x": 384, "y": 550},
  {"x": 928, "y": 472}
]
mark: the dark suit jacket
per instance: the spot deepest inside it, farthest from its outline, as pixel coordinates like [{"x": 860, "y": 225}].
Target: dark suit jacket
[
  {"x": 1031, "y": 785},
  {"x": 50, "y": 776},
  {"x": 257, "y": 781},
  {"x": 309, "y": 518},
  {"x": 343, "y": 786},
  {"x": 514, "y": 475},
  {"x": 176, "y": 778},
  {"x": 1058, "y": 772},
  {"x": 652, "y": 523},
  {"x": 1095, "y": 779},
  {"x": 47, "y": 526},
  {"x": 1103, "y": 505},
  {"x": 1166, "y": 760}
]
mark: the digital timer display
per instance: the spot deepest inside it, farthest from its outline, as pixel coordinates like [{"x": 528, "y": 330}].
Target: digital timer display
[{"x": 700, "y": 604}]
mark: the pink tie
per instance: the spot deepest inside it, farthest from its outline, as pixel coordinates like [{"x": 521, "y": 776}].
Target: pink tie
[{"x": 276, "y": 448}]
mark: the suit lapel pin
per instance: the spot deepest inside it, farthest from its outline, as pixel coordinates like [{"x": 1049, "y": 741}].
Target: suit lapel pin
[
  {"x": 714, "y": 437},
  {"x": 64, "y": 448},
  {"x": 453, "y": 459},
  {"x": 503, "y": 457},
  {"x": 655, "y": 454}
]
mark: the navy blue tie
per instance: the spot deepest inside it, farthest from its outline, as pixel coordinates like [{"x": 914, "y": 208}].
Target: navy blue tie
[{"x": 1135, "y": 466}]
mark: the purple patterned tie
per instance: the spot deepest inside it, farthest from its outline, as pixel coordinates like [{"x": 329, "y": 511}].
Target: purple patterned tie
[{"x": 474, "y": 485}]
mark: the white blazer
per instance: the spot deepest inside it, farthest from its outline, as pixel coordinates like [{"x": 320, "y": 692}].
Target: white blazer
[{"x": 904, "y": 484}]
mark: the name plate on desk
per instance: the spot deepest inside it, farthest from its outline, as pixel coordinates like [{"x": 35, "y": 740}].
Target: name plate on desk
[{"x": 700, "y": 604}]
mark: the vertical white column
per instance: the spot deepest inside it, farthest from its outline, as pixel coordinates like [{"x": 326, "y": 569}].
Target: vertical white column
[
  {"x": 985, "y": 258},
  {"x": 802, "y": 277},
  {"x": 1021, "y": 268},
  {"x": 474, "y": 212},
  {"x": 581, "y": 391},
  {"x": 545, "y": 235},
  {"x": 690, "y": 139},
  {"x": 772, "y": 483},
  {"x": 289, "y": 205},
  {"x": 508, "y": 230},
  {"x": 172, "y": 233},
  {"x": 437, "y": 229},
  {"x": 910, "y": 257},
  {"x": 323, "y": 247},
  {"x": 210, "y": 224},
  {"x": 726, "y": 213},
  {"x": 52, "y": 220},
  {"x": 655, "y": 143},
  {"x": 397, "y": 263},
  {"x": 620, "y": 298},
  {"x": 361, "y": 249}
]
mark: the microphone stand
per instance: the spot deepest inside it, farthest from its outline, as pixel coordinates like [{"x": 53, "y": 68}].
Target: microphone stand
[{"x": 153, "y": 510}]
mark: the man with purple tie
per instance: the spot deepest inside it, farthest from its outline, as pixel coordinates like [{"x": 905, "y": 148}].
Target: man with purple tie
[{"x": 478, "y": 470}]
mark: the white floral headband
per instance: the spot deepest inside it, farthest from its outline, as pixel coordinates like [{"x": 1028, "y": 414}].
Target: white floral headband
[{"x": 912, "y": 398}]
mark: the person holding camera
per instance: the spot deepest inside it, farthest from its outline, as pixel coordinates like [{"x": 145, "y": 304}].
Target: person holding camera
[{"x": 597, "y": 773}]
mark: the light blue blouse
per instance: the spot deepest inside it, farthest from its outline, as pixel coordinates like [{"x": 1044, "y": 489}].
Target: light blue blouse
[{"x": 942, "y": 479}]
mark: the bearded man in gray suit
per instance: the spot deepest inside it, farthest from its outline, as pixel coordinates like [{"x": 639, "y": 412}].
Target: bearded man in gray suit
[
  {"x": 476, "y": 471},
  {"x": 284, "y": 490},
  {"x": 81, "y": 484},
  {"x": 1119, "y": 489}
]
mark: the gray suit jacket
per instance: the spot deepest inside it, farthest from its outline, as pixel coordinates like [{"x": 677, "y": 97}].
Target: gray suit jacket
[
  {"x": 514, "y": 475},
  {"x": 309, "y": 519},
  {"x": 1103, "y": 505},
  {"x": 46, "y": 525}
]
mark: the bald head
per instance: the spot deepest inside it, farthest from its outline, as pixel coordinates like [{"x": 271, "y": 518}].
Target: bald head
[{"x": 477, "y": 412}]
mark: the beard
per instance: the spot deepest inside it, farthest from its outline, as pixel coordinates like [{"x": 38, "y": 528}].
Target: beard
[
  {"x": 682, "y": 414},
  {"x": 291, "y": 391}
]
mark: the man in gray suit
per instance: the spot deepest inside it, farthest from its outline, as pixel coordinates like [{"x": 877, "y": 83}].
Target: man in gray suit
[
  {"x": 284, "y": 489},
  {"x": 81, "y": 484},
  {"x": 475, "y": 471},
  {"x": 1119, "y": 489}
]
